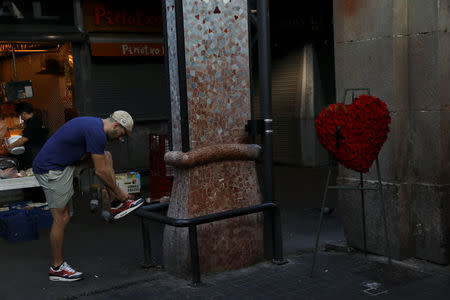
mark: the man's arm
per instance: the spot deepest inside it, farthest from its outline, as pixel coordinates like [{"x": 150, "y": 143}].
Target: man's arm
[
  {"x": 19, "y": 142},
  {"x": 106, "y": 175}
]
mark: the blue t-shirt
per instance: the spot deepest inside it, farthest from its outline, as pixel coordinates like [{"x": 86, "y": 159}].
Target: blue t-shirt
[{"x": 69, "y": 143}]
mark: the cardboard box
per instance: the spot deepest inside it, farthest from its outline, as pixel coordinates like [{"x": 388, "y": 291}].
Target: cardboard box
[{"x": 130, "y": 182}]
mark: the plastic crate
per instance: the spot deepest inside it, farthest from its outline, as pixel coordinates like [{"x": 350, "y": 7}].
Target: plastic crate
[
  {"x": 3, "y": 213},
  {"x": 43, "y": 217},
  {"x": 19, "y": 205},
  {"x": 159, "y": 145},
  {"x": 161, "y": 174},
  {"x": 160, "y": 186},
  {"x": 41, "y": 214},
  {"x": 17, "y": 226}
]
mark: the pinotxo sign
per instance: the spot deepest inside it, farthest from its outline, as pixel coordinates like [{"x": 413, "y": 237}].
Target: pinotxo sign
[
  {"x": 105, "y": 16},
  {"x": 127, "y": 49},
  {"x": 137, "y": 16}
]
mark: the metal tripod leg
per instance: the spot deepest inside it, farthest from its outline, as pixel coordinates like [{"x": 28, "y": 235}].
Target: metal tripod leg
[
  {"x": 363, "y": 213},
  {"x": 320, "y": 221},
  {"x": 383, "y": 212}
]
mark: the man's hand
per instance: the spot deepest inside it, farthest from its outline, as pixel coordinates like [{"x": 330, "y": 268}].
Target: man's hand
[
  {"x": 105, "y": 172},
  {"x": 123, "y": 196}
]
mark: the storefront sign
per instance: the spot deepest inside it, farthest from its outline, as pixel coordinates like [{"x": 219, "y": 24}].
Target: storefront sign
[
  {"x": 134, "y": 16},
  {"x": 127, "y": 49}
]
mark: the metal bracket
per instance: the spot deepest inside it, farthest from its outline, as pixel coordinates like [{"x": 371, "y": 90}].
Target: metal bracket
[
  {"x": 354, "y": 93},
  {"x": 259, "y": 126},
  {"x": 255, "y": 127}
]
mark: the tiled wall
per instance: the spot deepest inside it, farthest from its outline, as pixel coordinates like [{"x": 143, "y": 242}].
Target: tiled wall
[{"x": 217, "y": 70}]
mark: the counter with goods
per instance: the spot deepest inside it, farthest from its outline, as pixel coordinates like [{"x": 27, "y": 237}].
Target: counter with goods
[
  {"x": 18, "y": 183},
  {"x": 11, "y": 178}
]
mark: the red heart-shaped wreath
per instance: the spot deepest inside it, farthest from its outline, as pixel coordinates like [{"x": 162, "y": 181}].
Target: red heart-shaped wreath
[{"x": 355, "y": 133}]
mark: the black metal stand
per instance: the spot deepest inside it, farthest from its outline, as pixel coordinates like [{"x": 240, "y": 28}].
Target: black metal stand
[{"x": 362, "y": 189}]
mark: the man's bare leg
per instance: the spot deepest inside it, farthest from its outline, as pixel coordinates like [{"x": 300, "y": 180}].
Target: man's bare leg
[{"x": 60, "y": 220}]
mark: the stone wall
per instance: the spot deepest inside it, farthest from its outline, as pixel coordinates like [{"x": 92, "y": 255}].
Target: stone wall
[{"x": 400, "y": 50}]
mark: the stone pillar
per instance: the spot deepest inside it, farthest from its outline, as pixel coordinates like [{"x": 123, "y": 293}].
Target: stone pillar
[
  {"x": 208, "y": 55},
  {"x": 400, "y": 50}
]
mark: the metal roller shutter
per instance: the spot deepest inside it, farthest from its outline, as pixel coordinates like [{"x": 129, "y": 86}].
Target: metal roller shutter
[
  {"x": 285, "y": 108},
  {"x": 135, "y": 85},
  {"x": 286, "y": 73}
]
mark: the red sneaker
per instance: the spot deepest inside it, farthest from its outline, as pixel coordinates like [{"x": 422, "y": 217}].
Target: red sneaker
[
  {"x": 125, "y": 208},
  {"x": 64, "y": 273}
]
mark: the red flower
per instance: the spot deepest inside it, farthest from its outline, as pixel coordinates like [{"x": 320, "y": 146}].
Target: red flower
[{"x": 355, "y": 133}]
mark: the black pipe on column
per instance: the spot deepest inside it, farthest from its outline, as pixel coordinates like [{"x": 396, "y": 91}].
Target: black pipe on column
[{"x": 265, "y": 96}]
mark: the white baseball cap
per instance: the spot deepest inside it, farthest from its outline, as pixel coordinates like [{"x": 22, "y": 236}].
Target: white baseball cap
[{"x": 124, "y": 119}]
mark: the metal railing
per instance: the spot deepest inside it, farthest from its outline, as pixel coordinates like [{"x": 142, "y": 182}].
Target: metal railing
[{"x": 147, "y": 212}]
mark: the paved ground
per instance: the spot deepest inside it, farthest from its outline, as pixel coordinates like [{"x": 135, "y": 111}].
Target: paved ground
[
  {"x": 339, "y": 276},
  {"x": 110, "y": 256}
]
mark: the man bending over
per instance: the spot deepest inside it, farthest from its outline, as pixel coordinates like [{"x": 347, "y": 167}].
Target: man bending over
[{"x": 54, "y": 168}]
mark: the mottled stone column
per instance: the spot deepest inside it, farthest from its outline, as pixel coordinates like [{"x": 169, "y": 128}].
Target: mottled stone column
[{"x": 208, "y": 56}]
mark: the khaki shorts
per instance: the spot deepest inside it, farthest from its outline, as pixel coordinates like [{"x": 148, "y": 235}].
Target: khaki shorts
[{"x": 57, "y": 186}]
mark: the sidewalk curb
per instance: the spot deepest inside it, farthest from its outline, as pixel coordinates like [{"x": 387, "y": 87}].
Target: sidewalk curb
[{"x": 410, "y": 263}]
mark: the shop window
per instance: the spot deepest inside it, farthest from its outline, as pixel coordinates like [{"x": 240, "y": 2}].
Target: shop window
[{"x": 49, "y": 69}]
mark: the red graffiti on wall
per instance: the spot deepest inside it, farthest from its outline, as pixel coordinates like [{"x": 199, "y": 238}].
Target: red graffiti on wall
[{"x": 350, "y": 7}]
